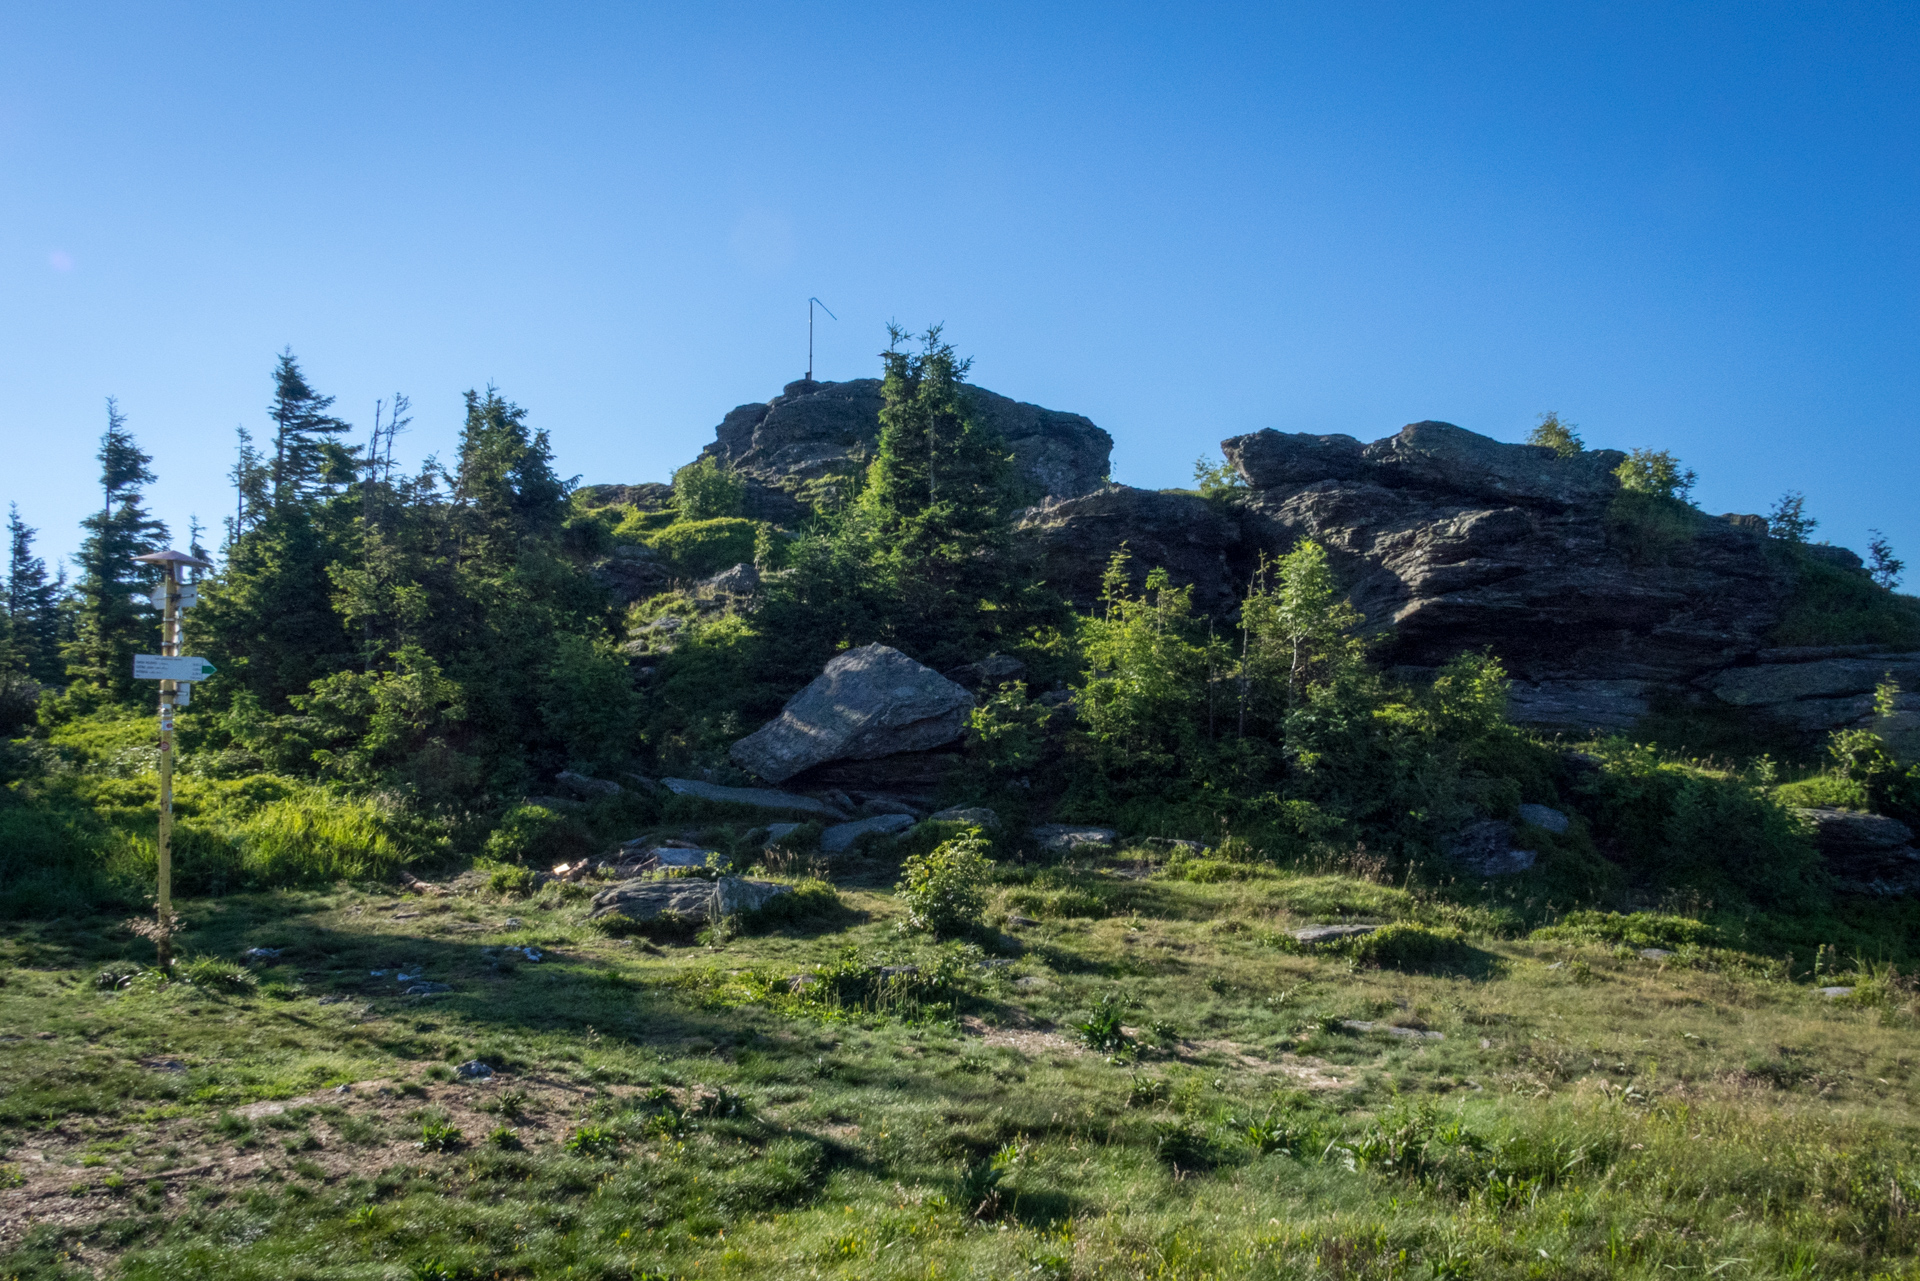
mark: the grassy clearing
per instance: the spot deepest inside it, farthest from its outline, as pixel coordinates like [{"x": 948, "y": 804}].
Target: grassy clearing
[{"x": 1563, "y": 1106}]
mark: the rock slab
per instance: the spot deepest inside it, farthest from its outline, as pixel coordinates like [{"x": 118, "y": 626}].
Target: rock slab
[
  {"x": 869, "y": 702},
  {"x": 1064, "y": 838},
  {"x": 765, "y": 798},
  {"x": 689, "y": 897},
  {"x": 841, "y": 837}
]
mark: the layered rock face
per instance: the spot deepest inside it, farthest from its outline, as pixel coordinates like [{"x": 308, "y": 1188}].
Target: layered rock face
[
  {"x": 816, "y": 430},
  {"x": 1454, "y": 542}
]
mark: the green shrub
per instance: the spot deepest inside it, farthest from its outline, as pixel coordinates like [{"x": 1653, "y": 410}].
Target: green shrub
[
  {"x": 707, "y": 489},
  {"x": 697, "y": 548},
  {"x": 511, "y": 880},
  {"x": 812, "y": 902},
  {"x": 1101, "y": 1029},
  {"x": 534, "y": 834},
  {"x": 318, "y": 837},
  {"x": 1835, "y": 606},
  {"x": 593, "y": 1140},
  {"x": 1824, "y": 790},
  {"x": 1636, "y": 929},
  {"x": 945, "y": 889},
  {"x": 213, "y": 973},
  {"x": 1406, "y": 946},
  {"x": 1691, "y": 826},
  {"x": 438, "y": 1134},
  {"x": 1650, "y": 528},
  {"x": 637, "y": 526}
]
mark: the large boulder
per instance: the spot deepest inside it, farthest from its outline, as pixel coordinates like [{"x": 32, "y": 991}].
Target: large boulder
[
  {"x": 869, "y": 702},
  {"x": 1867, "y": 853},
  {"x": 818, "y": 430},
  {"x": 690, "y": 898}
]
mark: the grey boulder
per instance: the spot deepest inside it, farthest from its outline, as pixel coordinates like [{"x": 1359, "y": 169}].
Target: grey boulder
[
  {"x": 1867, "y": 853},
  {"x": 584, "y": 788},
  {"x": 688, "y": 897},
  {"x": 765, "y": 798},
  {"x": 742, "y": 580},
  {"x": 1065, "y": 838},
  {"x": 842, "y": 836},
  {"x": 1314, "y": 935},
  {"x": 869, "y": 702},
  {"x": 1486, "y": 848},
  {"x": 1544, "y": 817}
]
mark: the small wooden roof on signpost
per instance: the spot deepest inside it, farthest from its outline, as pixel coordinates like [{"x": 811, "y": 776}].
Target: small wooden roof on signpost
[{"x": 171, "y": 557}]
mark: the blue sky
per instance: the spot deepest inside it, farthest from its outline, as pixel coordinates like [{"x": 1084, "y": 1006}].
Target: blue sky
[{"x": 1681, "y": 226}]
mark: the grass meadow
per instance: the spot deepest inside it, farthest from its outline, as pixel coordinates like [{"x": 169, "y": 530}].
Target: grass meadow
[{"x": 1136, "y": 1073}]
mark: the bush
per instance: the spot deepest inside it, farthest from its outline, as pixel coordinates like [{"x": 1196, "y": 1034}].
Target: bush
[
  {"x": 1824, "y": 790},
  {"x": 1101, "y": 1029},
  {"x": 697, "y": 548},
  {"x": 1835, "y": 606},
  {"x": 812, "y": 902},
  {"x": 945, "y": 890},
  {"x": 1690, "y": 826},
  {"x": 707, "y": 489},
  {"x": 1650, "y": 528},
  {"x": 1637, "y": 929},
  {"x": 533, "y": 834},
  {"x": 215, "y": 974},
  {"x": 1405, "y": 946},
  {"x": 510, "y": 880}
]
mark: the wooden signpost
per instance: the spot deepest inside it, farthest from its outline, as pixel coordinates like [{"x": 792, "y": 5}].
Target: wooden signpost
[{"x": 175, "y": 674}]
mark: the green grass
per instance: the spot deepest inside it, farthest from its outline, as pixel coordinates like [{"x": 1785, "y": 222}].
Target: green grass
[
  {"x": 1238, "y": 1108},
  {"x": 1834, "y": 606}
]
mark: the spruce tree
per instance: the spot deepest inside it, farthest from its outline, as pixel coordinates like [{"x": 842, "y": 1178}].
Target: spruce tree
[
  {"x": 935, "y": 508},
  {"x": 940, "y": 484},
  {"x": 308, "y": 457},
  {"x": 506, "y": 486},
  {"x": 109, "y": 628},
  {"x": 32, "y": 604}
]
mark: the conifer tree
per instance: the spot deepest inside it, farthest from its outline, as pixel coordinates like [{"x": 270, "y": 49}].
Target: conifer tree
[
  {"x": 32, "y": 604},
  {"x": 939, "y": 483},
  {"x": 308, "y": 457},
  {"x": 506, "y": 484},
  {"x": 108, "y": 627},
  {"x": 251, "y": 477}
]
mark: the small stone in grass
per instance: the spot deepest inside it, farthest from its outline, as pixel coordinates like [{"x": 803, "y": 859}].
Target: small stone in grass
[{"x": 473, "y": 1070}]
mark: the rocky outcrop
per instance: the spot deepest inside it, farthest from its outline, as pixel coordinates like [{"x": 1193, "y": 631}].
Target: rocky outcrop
[
  {"x": 1431, "y": 457},
  {"x": 869, "y": 703},
  {"x": 815, "y": 431},
  {"x": 1865, "y": 852},
  {"x": 1814, "y": 690},
  {"x": 1454, "y": 542},
  {"x": 765, "y": 798},
  {"x": 1068, "y": 542}
]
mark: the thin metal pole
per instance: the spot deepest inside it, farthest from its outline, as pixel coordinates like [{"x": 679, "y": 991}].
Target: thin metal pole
[
  {"x": 170, "y": 648},
  {"x": 809, "y": 340}
]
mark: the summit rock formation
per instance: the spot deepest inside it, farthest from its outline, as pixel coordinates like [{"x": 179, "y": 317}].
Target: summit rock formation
[
  {"x": 1452, "y": 542},
  {"x": 815, "y": 431}
]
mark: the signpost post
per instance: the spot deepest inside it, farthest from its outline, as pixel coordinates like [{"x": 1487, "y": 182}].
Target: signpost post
[{"x": 170, "y": 669}]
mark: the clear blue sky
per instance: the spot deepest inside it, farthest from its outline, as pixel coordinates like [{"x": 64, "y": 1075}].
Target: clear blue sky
[{"x": 1682, "y": 226}]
